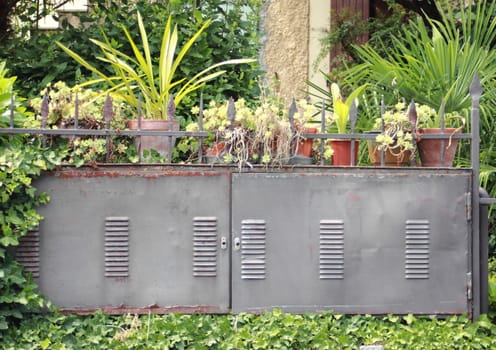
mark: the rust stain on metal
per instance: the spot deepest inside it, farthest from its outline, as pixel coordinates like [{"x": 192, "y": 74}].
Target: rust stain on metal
[
  {"x": 137, "y": 172},
  {"x": 153, "y": 171},
  {"x": 160, "y": 310}
]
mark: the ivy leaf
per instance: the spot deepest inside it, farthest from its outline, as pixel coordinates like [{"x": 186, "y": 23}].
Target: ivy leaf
[
  {"x": 409, "y": 319},
  {"x": 8, "y": 241},
  {"x": 3, "y": 324},
  {"x": 45, "y": 344},
  {"x": 40, "y": 163}
]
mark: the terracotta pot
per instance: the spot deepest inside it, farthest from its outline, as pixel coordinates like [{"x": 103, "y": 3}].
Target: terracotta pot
[
  {"x": 216, "y": 150},
  {"x": 215, "y": 153},
  {"x": 390, "y": 159},
  {"x": 342, "y": 152},
  {"x": 430, "y": 149},
  {"x": 304, "y": 146},
  {"x": 158, "y": 143}
]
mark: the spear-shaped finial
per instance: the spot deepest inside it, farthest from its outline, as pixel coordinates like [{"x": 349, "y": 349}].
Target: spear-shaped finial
[
  {"x": 107, "y": 110},
  {"x": 171, "y": 109},
  {"x": 291, "y": 113},
  {"x": 231, "y": 111}
]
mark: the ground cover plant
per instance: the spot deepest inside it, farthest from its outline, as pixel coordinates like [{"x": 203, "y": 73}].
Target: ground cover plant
[
  {"x": 21, "y": 160},
  {"x": 270, "y": 330}
]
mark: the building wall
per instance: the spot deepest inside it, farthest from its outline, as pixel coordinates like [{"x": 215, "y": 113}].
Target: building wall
[{"x": 292, "y": 29}]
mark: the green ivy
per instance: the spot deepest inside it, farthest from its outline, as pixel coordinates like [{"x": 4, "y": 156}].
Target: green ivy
[
  {"x": 21, "y": 160},
  {"x": 270, "y": 330}
]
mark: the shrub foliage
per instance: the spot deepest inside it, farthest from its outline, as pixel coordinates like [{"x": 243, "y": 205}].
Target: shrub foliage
[
  {"x": 270, "y": 330},
  {"x": 36, "y": 59}
]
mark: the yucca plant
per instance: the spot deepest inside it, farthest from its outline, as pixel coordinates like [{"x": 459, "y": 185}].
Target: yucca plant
[
  {"x": 342, "y": 107},
  {"x": 433, "y": 61},
  {"x": 137, "y": 75},
  {"x": 335, "y": 102}
]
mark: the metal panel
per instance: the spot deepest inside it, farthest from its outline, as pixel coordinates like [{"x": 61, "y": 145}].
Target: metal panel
[
  {"x": 345, "y": 240},
  {"x": 136, "y": 239}
]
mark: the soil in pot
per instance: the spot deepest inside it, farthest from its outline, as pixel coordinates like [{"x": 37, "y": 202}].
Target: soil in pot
[
  {"x": 430, "y": 149},
  {"x": 159, "y": 143}
]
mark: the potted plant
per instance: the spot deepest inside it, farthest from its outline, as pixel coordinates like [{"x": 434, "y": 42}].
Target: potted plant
[
  {"x": 153, "y": 90},
  {"x": 232, "y": 124},
  {"x": 244, "y": 134},
  {"x": 61, "y": 101},
  {"x": 437, "y": 152},
  {"x": 394, "y": 138},
  {"x": 301, "y": 115},
  {"x": 341, "y": 118}
]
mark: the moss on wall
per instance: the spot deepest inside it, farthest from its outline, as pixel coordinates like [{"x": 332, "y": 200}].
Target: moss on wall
[{"x": 286, "y": 27}]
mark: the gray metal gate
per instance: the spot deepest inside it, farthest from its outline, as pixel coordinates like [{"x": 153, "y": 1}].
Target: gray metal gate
[
  {"x": 352, "y": 241},
  {"x": 215, "y": 238},
  {"x": 128, "y": 240}
]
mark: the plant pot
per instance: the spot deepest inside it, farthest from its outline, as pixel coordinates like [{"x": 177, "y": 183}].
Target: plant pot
[
  {"x": 400, "y": 158},
  {"x": 302, "y": 151},
  {"x": 430, "y": 149},
  {"x": 304, "y": 146},
  {"x": 215, "y": 153},
  {"x": 342, "y": 152},
  {"x": 159, "y": 143}
]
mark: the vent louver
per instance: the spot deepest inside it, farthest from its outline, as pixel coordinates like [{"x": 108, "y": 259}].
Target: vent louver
[
  {"x": 417, "y": 249},
  {"x": 331, "y": 249},
  {"x": 28, "y": 252},
  {"x": 253, "y": 249},
  {"x": 117, "y": 247},
  {"x": 205, "y": 246}
]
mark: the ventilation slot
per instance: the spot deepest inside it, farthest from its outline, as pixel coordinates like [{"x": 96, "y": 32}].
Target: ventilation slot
[
  {"x": 253, "y": 249},
  {"x": 417, "y": 249},
  {"x": 205, "y": 246},
  {"x": 28, "y": 252},
  {"x": 117, "y": 247},
  {"x": 331, "y": 250}
]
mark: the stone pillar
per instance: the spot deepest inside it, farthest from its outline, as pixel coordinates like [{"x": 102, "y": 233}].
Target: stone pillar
[
  {"x": 292, "y": 31},
  {"x": 285, "y": 51}
]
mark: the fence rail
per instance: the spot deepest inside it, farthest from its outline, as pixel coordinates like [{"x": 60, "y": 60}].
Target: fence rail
[{"x": 322, "y": 135}]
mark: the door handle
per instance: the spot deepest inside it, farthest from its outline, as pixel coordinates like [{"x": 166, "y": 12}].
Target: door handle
[
  {"x": 237, "y": 243},
  {"x": 223, "y": 243}
]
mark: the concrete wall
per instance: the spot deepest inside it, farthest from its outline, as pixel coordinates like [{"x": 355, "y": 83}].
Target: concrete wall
[{"x": 292, "y": 30}]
